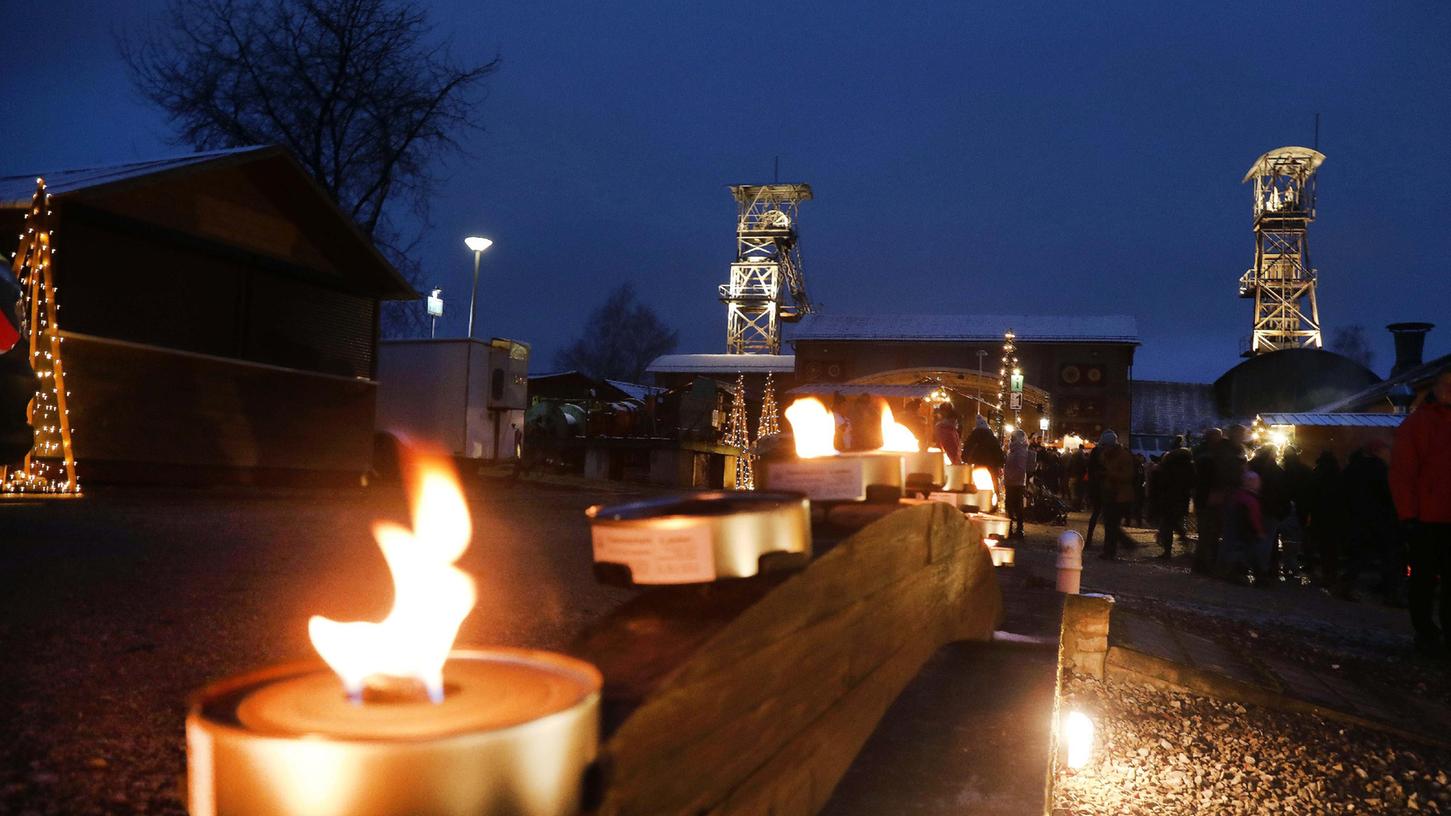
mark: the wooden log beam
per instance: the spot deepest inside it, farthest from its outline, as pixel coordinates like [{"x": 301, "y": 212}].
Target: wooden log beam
[{"x": 755, "y": 696}]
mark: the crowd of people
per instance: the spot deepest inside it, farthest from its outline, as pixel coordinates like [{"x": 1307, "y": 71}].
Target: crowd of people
[{"x": 1259, "y": 516}]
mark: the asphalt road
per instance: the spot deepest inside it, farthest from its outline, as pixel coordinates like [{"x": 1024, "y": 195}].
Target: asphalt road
[{"x": 115, "y": 608}]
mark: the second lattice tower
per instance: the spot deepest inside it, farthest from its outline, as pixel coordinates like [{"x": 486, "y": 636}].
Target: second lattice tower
[
  {"x": 767, "y": 268},
  {"x": 1282, "y": 281}
]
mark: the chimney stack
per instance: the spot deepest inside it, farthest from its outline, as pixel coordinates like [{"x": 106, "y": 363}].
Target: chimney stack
[{"x": 1410, "y": 342}]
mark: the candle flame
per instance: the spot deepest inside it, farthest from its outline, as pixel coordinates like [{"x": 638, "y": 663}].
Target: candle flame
[
  {"x": 897, "y": 438},
  {"x": 431, "y": 596},
  {"x": 813, "y": 428}
]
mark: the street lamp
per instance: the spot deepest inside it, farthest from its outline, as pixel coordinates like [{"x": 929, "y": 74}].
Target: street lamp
[
  {"x": 981, "y": 353},
  {"x": 478, "y": 245},
  {"x": 1043, "y": 426}
]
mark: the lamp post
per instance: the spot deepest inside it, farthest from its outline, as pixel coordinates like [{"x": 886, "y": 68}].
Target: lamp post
[
  {"x": 981, "y": 353},
  {"x": 478, "y": 245},
  {"x": 1043, "y": 426}
]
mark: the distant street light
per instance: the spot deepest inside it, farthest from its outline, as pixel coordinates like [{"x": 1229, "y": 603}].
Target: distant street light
[{"x": 478, "y": 245}]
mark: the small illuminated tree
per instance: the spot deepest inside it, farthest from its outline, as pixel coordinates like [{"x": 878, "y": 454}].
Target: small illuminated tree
[
  {"x": 1006, "y": 370},
  {"x": 50, "y": 466},
  {"x": 738, "y": 436},
  {"x": 770, "y": 413}
]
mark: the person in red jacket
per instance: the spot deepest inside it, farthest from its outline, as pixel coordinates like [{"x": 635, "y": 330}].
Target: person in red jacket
[{"x": 1421, "y": 488}]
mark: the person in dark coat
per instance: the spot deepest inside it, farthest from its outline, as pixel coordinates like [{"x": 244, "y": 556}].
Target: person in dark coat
[
  {"x": 1220, "y": 470},
  {"x": 1328, "y": 515},
  {"x": 1300, "y": 482},
  {"x": 1244, "y": 533},
  {"x": 1274, "y": 502},
  {"x": 1116, "y": 493},
  {"x": 983, "y": 449},
  {"x": 947, "y": 434},
  {"x": 1076, "y": 470},
  {"x": 1421, "y": 485},
  {"x": 1093, "y": 490},
  {"x": 1174, "y": 481},
  {"x": 1141, "y": 489},
  {"x": 866, "y": 424},
  {"x": 1372, "y": 533}
]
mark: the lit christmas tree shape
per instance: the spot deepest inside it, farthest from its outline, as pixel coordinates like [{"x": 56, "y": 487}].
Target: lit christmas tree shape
[
  {"x": 738, "y": 436},
  {"x": 50, "y": 466},
  {"x": 770, "y": 414}
]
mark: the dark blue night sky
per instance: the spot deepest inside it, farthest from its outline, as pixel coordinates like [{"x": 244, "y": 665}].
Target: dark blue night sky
[{"x": 966, "y": 157}]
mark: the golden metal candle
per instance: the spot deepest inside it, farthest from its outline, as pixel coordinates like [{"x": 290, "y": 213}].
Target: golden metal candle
[
  {"x": 514, "y": 734},
  {"x": 397, "y": 722},
  {"x": 924, "y": 466},
  {"x": 842, "y": 477},
  {"x": 990, "y": 526},
  {"x": 700, "y": 537}
]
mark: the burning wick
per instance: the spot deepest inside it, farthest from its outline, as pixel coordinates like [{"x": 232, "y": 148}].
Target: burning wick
[
  {"x": 897, "y": 438},
  {"x": 431, "y": 597},
  {"x": 1078, "y": 731},
  {"x": 813, "y": 428}
]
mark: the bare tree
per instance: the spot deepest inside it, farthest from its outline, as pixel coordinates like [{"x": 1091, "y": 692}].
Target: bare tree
[
  {"x": 1351, "y": 341},
  {"x": 359, "y": 90},
  {"x": 619, "y": 340}
]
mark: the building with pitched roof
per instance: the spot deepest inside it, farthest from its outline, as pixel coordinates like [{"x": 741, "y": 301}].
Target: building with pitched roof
[
  {"x": 1077, "y": 369},
  {"x": 220, "y": 316}
]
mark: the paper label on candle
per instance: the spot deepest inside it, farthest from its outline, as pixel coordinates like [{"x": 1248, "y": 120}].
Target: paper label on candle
[
  {"x": 658, "y": 556},
  {"x": 825, "y": 479}
]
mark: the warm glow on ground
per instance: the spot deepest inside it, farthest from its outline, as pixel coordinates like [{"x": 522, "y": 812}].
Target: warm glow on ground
[{"x": 1078, "y": 737}]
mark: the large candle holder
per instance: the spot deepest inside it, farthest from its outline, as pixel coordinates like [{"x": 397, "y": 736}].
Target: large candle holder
[
  {"x": 397, "y": 722},
  {"x": 515, "y": 733},
  {"x": 876, "y": 476},
  {"x": 700, "y": 537}
]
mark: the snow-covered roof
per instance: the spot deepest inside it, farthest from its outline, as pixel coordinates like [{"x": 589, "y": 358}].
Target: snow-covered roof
[
  {"x": 636, "y": 390},
  {"x": 723, "y": 364},
  {"x": 17, "y": 190},
  {"x": 1332, "y": 420},
  {"x": 1027, "y": 328}
]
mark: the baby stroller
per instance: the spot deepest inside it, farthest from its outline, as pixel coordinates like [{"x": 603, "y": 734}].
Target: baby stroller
[{"x": 1046, "y": 508}]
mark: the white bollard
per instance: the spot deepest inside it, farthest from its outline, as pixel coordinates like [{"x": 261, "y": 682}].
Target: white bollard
[{"x": 1070, "y": 561}]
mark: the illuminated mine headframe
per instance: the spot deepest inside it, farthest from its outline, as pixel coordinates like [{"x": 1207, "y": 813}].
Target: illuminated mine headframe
[
  {"x": 1282, "y": 282},
  {"x": 767, "y": 260}
]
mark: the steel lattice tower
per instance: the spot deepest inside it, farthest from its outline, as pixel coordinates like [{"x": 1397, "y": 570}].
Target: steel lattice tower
[
  {"x": 1282, "y": 282},
  {"x": 766, "y": 259}
]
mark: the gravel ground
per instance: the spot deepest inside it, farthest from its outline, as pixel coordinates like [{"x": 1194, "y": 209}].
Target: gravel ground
[
  {"x": 115, "y": 609},
  {"x": 1163, "y": 753}
]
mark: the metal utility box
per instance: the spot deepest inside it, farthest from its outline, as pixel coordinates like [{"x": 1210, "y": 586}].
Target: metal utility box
[{"x": 465, "y": 396}]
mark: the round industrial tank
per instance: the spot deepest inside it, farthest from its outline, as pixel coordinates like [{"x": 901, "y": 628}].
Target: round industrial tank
[{"x": 1289, "y": 380}]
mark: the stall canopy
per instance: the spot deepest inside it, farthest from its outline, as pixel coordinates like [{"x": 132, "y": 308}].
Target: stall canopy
[{"x": 921, "y": 391}]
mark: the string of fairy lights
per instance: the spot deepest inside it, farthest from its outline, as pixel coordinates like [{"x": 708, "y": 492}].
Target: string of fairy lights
[
  {"x": 1008, "y": 369},
  {"x": 738, "y": 436},
  {"x": 50, "y": 466},
  {"x": 738, "y": 431}
]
